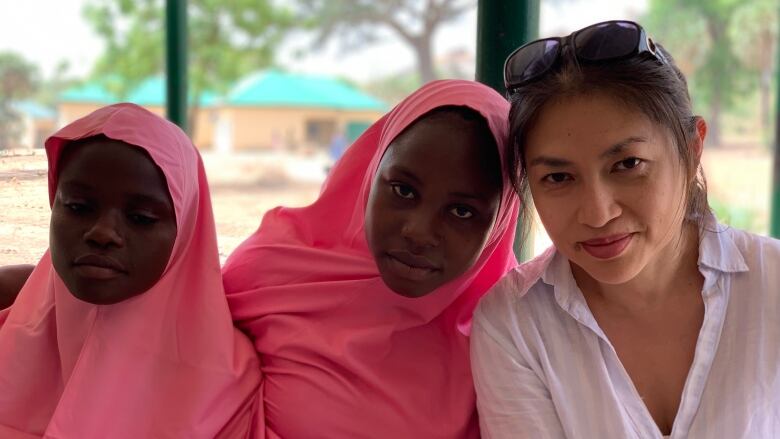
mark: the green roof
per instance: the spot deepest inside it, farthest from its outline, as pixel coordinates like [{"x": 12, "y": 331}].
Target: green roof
[
  {"x": 91, "y": 93},
  {"x": 34, "y": 110},
  {"x": 150, "y": 92},
  {"x": 273, "y": 89}
]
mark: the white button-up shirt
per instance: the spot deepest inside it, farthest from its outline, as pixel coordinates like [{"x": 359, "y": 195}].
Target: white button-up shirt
[{"x": 544, "y": 369}]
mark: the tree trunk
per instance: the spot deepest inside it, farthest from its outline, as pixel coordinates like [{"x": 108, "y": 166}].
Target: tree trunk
[
  {"x": 713, "y": 130},
  {"x": 422, "y": 48},
  {"x": 765, "y": 88},
  {"x": 716, "y": 30},
  {"x": 192, "y": 120}
]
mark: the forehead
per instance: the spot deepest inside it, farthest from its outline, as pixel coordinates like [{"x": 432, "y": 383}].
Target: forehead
[
  {"x": 445, "y": 148},
  {"x": 579, "y": 125},
  {"x": 107, "y": 163}
]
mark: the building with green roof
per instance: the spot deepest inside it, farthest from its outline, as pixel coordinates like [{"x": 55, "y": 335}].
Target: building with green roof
[
  {"x": 273, "y": 109},
  {"x": 265, "y": 110}
]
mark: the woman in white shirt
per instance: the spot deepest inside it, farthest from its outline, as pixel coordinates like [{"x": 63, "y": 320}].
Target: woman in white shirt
[{"x": 647, "y": 319}]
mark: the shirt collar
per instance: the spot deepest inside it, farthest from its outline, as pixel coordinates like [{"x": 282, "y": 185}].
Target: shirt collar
[{"x": 717, "y": 249}]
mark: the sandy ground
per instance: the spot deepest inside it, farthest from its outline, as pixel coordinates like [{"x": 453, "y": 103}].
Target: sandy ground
[{"x": 244, "y": 187}]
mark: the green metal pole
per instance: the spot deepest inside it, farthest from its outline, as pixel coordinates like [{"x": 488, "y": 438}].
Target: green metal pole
[
  {"x": 774, "y": 227},
  {"x": 176, "y": 61},
  {"x": 503, "y": 26}
]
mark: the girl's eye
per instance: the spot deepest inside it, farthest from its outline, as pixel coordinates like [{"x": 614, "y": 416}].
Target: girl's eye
[
  {"x": 77, "y": 208},
  {"x": 629, "y": 163},
  {"x": 556, "y": 177},
  {"x": 142, "y": 219},
  {"x": 462, "y": 212},
  {"x": 403, "y": 191}
]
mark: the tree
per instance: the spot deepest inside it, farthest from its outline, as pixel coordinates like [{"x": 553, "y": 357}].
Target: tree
[
  {"x": 755, "y": 34},
  {"x": 18, "y": 80},
  {"x": 717, "y": 71},
  {"x": 227, "y": 40},
  {"x": 361, "y": 22}
]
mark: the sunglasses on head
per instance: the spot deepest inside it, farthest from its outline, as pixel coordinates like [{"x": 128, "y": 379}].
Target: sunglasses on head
[{"x": 607, "y": 41}]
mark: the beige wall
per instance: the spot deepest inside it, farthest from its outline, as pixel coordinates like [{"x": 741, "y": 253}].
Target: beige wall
[
  {"x": 247, "y": 127},
  {"x": 204, "y": 126},
  {"x": 264, "y": 128}
]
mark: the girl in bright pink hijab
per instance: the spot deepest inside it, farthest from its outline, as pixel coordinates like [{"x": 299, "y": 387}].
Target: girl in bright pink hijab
[
  {"x": 360, "y": 304},
  {"x": 123, "y": 330}
]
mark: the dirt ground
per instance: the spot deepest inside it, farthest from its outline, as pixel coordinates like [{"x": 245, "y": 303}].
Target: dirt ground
[{"x": 243, "y": 187}]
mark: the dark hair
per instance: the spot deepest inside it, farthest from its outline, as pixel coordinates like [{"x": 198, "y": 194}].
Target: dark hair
[
  {"x": 657, "y": 90},
  {"x": 489, "y": 157}
]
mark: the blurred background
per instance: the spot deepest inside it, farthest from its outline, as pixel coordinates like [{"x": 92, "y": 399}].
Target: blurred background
[{"x": 279, "y": 88}]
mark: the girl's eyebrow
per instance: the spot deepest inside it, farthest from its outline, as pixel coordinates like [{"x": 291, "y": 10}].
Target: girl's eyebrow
[
  {"x": 136, "y": 197},
  {"x": 555, "y": 162},
  {"x": 466, "y": 195},
  {"x": 149, "y": 199},
  {"x": 406, "y": 172}
]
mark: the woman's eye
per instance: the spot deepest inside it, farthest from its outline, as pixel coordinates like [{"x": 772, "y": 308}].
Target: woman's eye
[
  {"x": 629, "y": 163},
  {"x": 557, "y": 177},
  {"x": 403, "y": 191},
  {"x": 142, "y": 219},
  {"x": 462, "y": 212}
]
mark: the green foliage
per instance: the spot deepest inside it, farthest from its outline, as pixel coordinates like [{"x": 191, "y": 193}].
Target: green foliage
[
  {"x": 357, "y": 23},
  {"x": 226, "y": 40},
  {"x": 18, "y": 80},
  {"x": 736, "y": 216},
  {"x": 720, "y": 45}
]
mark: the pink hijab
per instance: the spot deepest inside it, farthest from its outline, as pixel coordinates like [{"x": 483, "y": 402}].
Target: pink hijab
[
  {"x": 165, "y": 364},
  {"x": 343, "y": 355}
]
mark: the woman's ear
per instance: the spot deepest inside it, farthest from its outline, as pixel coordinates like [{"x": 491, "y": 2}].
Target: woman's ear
[{"x": 697, "y": 142}]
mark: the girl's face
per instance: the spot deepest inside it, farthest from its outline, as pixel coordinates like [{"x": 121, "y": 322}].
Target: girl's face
[
  {"x": 431, "y": 206},
  {"x": 113, "y": 224},
  {"x": 608, "y": 185}
]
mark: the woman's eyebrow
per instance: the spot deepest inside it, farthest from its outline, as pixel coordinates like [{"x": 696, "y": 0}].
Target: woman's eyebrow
[
  {"x": 552, "y": 162},
  {"x": 621, "y": 146},
  {"x": 617, "y": 148}
]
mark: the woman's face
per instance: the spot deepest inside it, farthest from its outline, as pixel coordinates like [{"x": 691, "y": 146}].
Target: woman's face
[
  {"x": 432, "y": 205},
  {"x": 608, "y": 184},
  {"x": 113, "y": 224}
]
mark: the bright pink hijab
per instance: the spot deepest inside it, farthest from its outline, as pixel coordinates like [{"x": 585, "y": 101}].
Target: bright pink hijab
[
  {"x": 165, "y": 364},
  {"x": 342, "y": 355}
]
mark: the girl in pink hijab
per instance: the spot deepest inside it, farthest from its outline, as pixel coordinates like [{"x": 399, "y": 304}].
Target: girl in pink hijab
[
  {"x": 360, "y": 304},
  {"x": 122, "y": 330}
]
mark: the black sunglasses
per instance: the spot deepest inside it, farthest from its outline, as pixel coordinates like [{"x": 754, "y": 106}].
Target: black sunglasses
[{"x": 607, "y": 41}]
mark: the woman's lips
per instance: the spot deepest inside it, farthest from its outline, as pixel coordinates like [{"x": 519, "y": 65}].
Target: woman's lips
[{"x": 607, "y": 247}]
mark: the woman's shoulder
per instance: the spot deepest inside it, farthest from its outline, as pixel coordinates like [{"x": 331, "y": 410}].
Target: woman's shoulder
[
  {"x": 757, "y": 251},
  {"x": 517, "y": 293}
]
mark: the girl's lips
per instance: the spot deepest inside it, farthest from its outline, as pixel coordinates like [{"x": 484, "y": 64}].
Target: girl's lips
[{"x": 607, "y": 247}]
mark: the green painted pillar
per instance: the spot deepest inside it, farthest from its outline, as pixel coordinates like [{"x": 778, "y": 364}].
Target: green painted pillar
[
  {"x": 503, "y": 26},
  {"x": 774, "y": 226},
  {"x": 176, "y": 61}
]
